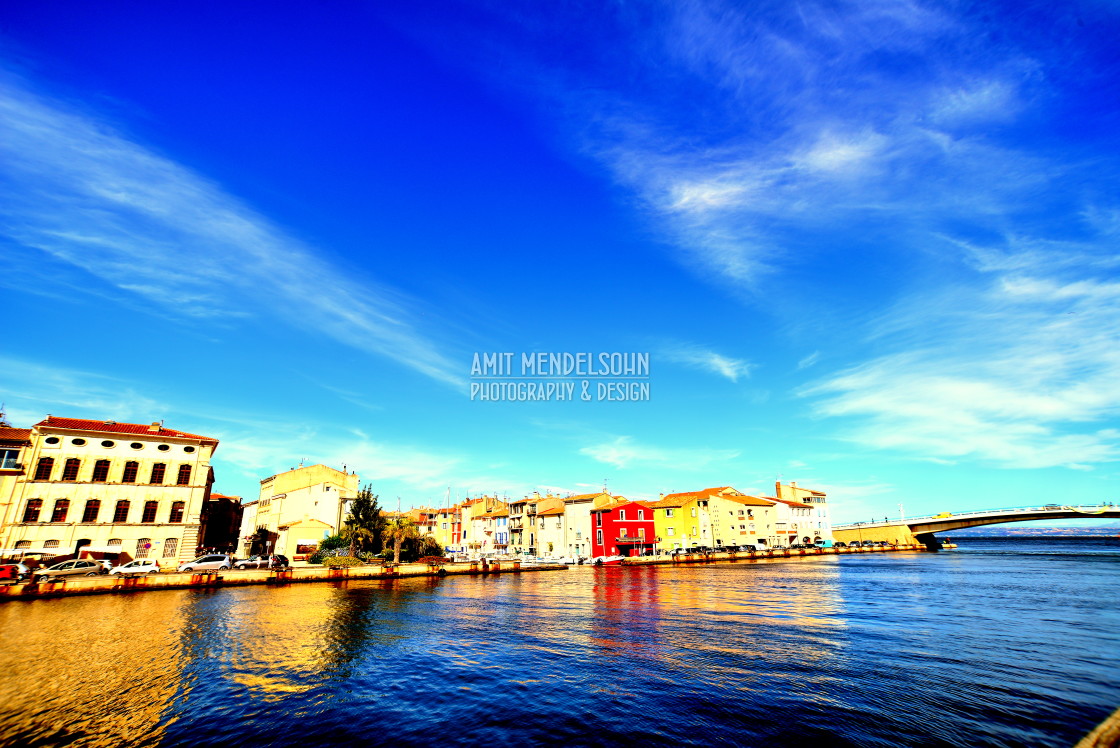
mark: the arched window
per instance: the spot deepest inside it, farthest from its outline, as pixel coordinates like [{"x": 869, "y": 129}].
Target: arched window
[
  {"x": 44, "y": 469},
  {"x": 170, "y": 547},
  {"x": 61, "y": 507},
  {"x": 184, "y": 475},
  {"x": 100, "y": 471},
  {"x": 149, "y": 514},
  {"x": 131, "y": 468},
  {"x": 114, "y": 541},
  {"x": 23, "y": 544},
  {"x": 50, "y": 544},
  {"x": 158, "y": 471},
  {"x": 141, "y": 547},
  {"x": 93, "y": 506},
  {"x": 31, "y": 513},
  {"x": 176, "y": 512},
  {"x": 70, "y": 470},
  {"x": 121, "y": 512}
]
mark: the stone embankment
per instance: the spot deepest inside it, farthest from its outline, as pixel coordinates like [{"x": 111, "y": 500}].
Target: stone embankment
[{"x": 65, "y": 587}]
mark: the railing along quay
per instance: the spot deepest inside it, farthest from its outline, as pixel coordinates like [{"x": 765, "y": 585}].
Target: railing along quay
[
  {"x": 104, "y": 584},
  {"x": 701, "y": 558}
]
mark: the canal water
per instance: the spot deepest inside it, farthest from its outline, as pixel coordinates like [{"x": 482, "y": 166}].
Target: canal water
[{"x": 1002, "y": 642}]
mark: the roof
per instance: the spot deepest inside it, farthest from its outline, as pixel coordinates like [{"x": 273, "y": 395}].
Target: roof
[
  {"x": 618, "y": 503},
  {"x": 116, "y": 427},
  {"x": 9, "y": 434},
  {"x": 674, "y": 501},
  {"x": 584, "y": 496},
  {"x": 223, "y": 496},
  {"x": 750, "y": 500},
  {"x": 551, "y": 507},
  {"x": 797, "y": 504},
  {"x": 501, "y": 512}
]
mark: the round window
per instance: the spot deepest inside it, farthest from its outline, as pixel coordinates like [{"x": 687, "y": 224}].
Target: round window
[
  {"x": 52, "y": 440},
  {"x": 78, "y": 442},
  {"x": 108, "y": 443},
  {"x": 136, "y": 445},
  {"x": 163, "y": 448},
  {"x": 188, "y": 449}
]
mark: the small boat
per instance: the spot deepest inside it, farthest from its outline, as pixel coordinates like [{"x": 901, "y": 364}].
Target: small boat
[{"x": 607, "y": 560}]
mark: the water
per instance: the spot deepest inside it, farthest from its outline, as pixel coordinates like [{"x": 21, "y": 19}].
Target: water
[{"x": 1003, "y": 642}]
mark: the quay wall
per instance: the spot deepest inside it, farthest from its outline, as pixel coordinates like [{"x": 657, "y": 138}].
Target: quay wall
[
  {"x": 899, "y": 534},
  {"x": 104, "y": 584}
]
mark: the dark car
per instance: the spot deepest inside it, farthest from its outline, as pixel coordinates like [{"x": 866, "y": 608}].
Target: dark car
[
  {"x": 839, "y": 544},
  {"x": 82, "y": 567}
]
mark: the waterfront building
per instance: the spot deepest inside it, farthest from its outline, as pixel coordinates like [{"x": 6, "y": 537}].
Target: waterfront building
[
  {"x": 551, "y": 527},
  {"x": 116, "y": 490},
  {"x": 577, "y": 523},
  {"x": 447, "y": 528},
  {"x": 682, "y": 520},
  {"x": 221, "y": 523},
  {"x": 481, "y": 527},
  {"x": 621, "y": 527},
  {"x": 289, "y": 501},
  {"x": 815, "y": 523}
]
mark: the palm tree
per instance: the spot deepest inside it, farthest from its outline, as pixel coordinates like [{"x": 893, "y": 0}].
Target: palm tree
[
  {"x": 364, "y": 524},
  {"x": 397, "y": 530}
]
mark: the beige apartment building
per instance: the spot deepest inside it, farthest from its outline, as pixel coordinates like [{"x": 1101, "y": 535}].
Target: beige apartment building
[
  {"x": 299, "y": 508},
  {"x": 117, "y": 490},
  {"x": 804, "y": 511}
]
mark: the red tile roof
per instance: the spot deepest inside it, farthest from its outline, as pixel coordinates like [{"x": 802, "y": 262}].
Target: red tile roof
[
  {"x": 7, "y": 433},
  {"x": 116, "y": 427}
]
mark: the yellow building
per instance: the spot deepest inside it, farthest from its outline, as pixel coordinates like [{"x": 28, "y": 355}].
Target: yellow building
[
  {"x": 120, "y": 490},
  {"x": 288, "y": 502},
  {"x": 682, "y": 521}
]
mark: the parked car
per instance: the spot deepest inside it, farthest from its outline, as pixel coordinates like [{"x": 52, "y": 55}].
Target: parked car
[
  {"x": 106, "y": 564},
  {"x": 208, "y": 562},
  {"x": 274, "y": 561},
  {"x": 14, "y": 573},
  {"x": 839, "y": 544},
  {"x": 139, "y": 566},
  {"x": 81, "y": 567}
]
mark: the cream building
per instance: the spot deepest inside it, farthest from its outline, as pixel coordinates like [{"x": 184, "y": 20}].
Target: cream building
[
  {"x": 577, "y": 523},
  {"x": 118, "y": 490},
  {"x": 806, "y": 512},
  {"x": 300, "y": 507},
  {"x": 551, "y": 527}
]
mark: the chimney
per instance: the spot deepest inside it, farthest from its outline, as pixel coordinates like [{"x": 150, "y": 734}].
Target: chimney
[{"x": 154, "y": 428}]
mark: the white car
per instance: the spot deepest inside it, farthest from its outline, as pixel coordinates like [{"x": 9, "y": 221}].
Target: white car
[{"x": 139, "y": 566}]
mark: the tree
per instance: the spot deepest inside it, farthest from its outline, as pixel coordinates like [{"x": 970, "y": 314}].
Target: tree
[
  {"x": 397, "y": 531},
  {"x": 364, "y": 525}
]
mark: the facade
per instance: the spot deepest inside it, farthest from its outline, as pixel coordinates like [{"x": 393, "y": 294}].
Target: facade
[
  {"x": 447, "y": 528},
  {"x": 577, "y": 523},
  {"x": 221, "y": 523},
  {"x": 485, "y": 526},
  {"x": 111, "y": 489},
  {"x": 816, "y": 524},
  {"x": 289, "y": 500},
  {"x": 551, "y": 527},
  {"x": 744, "y": 520},
  {"x": 621, "y": 527},
  {"x": 682, "y": 521}
]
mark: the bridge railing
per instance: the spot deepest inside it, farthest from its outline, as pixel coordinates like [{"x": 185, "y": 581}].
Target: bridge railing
[{"x": 1053, "y": 508}]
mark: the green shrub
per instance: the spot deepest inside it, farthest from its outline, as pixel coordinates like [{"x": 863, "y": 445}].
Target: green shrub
[{"x": 337, "y": 562}]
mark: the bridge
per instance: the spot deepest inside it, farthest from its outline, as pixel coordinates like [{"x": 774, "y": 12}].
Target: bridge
[{"x": 924, "y": 529}]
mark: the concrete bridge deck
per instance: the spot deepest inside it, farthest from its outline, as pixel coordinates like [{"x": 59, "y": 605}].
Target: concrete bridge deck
[{"x": 924, "y": 529}]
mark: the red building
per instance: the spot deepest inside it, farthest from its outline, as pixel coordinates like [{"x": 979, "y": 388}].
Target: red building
[{"x": 621, "y": 527}]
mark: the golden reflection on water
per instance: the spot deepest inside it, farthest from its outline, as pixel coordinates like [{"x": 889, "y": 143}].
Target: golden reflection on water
[{"x": 100, "y": 673}]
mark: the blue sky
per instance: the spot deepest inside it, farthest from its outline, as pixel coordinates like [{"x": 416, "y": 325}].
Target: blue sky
[{"x": 870, "y": 247}]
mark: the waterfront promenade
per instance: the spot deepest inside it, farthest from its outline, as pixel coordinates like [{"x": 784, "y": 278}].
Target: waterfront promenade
[{"x": 66, "y": 587}]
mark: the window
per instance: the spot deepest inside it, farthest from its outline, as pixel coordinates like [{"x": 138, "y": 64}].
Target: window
[
  {"x": 598, "y": 520},
  {"x": 621, "y": 514},
  {"x": 188, "y": 450},
  {"x": 184, "y": 475},
  {"x": 170, "y": 547},
  {"x": 641, "y": 514},
  {"x": 108, "y": 443},
  {"x": 598, "y": 537},
  {"x": 176, "y": 512},
  {"x": 142, "y": 546},
  {"x": 120, "y": 514},
  {"x": 670, "y": 531},
  {"x": 100, "y": 471},
  {"x": 131, "y": 468},
  {"x": 50, "y": 544},
  {"x": 157, "y": 473},
  {"x": 136, "y": 445},
  {"x": 70, "y": 471},
  {"x": 642, "y": 534},
  {"x": 78, "y": 442},
  {"x": 668, "y": 512},
  {"x": 31, "y": 513},
  {"x": 9, "y": 459},
  {"x": 23, "y": 544},
  {"x": 149, "y": 514},
  {"x": 93, "y": 506},
  {"x": 163, "y": 447},
  {"x": 44, "y": 468},
  {"x": 52, "y": 440},
  {"x": 61, "y": 507},
  {"x": 694, "y": 511}
]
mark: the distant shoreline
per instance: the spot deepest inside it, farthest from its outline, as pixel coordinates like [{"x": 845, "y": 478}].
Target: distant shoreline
[{"x": 1038, "y": 532}]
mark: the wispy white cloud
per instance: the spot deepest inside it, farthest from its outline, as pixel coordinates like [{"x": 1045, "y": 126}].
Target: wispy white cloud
[
  {"x": 809, "y": 360},
  {"x": 698, "y": 357},
  {"x": 623, "y": 452},
  {"x": 85, "y": 196}
]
